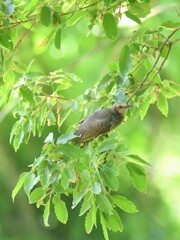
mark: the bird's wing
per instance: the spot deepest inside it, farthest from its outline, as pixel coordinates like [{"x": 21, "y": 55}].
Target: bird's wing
[{"x": 96, "y": 124}]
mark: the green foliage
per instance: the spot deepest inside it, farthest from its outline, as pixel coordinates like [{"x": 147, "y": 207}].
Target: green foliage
[{"x": 89, "y": 174}]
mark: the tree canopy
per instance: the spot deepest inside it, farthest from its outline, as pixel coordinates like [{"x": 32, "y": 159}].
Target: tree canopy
[{"x": 49, "y": 96}]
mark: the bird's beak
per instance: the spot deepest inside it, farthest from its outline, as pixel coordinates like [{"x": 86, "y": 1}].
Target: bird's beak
[{"x": 128, "y": 106}]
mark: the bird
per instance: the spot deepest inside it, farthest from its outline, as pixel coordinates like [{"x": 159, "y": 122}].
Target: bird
[{"x": 101, "y": 122}]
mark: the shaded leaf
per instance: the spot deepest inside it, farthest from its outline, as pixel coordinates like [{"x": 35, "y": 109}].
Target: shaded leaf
[
  {"x": 46, "y": 16},
  {"x": 5, "y": 40},
  {"x": 132, "y": 17},
  {"x": 27, "y": 94},
  {"x": 57, "y": 39}
]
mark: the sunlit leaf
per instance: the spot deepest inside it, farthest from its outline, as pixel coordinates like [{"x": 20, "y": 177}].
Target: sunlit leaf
[
  {"x": 138, "y": 176},
  {"x": 19, "y": 184},
  {"x": 46, "y": 213},
  {"x": 96, "y": 188},
  {"x": 125, "y": 60},
  {"x": 104, "y": 227},
  {"x": 162, "y": 104},
  {"x": 89, "y": 222},
  {"x": 36, "y": 194},
  {"x": 49, "y": 138},
  {"x": 60, "y": 210},
  {"x": 125, "y": 204},
  {"x": 113, "y": 222},
  {"x": 7, "y": 7},
  {"x": 110, "y": 26},
  {"x": 29, "y": 183}
]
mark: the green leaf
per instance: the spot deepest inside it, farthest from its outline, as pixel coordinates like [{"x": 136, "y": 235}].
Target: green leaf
[
  {"x": 86, "y": 204},
  {"x": 138, "y": 176},
  {"x": 104, "y": 227},
  {"x": 49, "y": 138},
  {"x": 146, "y": 99},
  {"x": 125, "y": 204},
  {"x": 167, "y": 90},
  {"x": 107, "y": 145},
  {"x": 96, "y": 188},
  {"x": 43, "y": 173},
  {"x": 125, "y": 60},
  {"x": 132, "y": 17},
  {"x": 113, "y": 222},
  {"x": 71, "y": 150},
  {"x": 36, "y": 194},
  {"x": 5, "y": 40},
  {"x": 78, "y": 195},
  {"x": 46, "y": 213},
  {"x": 56, "y": 18},
  {"x": 139, "y": 9},
  {"x": 171, "y": 24},
  {"x": 31, "y": 5},
  {"x": 21, "y": 180},
  {"x": 89, "y": 222},
  {"x": 8, "y": 7},
  {"x": 110, "y": 26},
  {"x": 27, "y": 94},
  {"x": 162, "y": 104},
  {"x": 57, "y": 39},
  {"x": 109, "y": 178},
  {"x": 104, "y": 204},
  {"x": 29, "y": 183},
  {"x": 70, "y": 173},
  {"x": 60, "y": 210},
  {"x": 46, "y": 16},
  {"x": 139, "y": 159},
  {"x": 65, "y": 138}
]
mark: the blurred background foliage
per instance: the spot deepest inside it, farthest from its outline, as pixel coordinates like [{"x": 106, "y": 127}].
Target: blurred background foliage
[{"x": 156, "y": 139}]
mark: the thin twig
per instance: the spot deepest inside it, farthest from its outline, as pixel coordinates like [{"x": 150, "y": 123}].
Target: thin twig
[
  {"x": 155, "y": 63},
  {"x": 15, "y": 24},
  {"x": 24, "y": 34},
  {"x": 162, "y": 64}
]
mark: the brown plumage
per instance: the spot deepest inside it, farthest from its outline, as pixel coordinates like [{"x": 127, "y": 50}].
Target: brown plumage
[{"x": 101, "y": 122}]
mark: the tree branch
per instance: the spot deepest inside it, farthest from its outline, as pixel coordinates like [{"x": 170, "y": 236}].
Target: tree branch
[{"x": 155, "y": 63}]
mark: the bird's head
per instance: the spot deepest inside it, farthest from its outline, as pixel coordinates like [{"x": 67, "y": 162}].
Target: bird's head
[{"x": 121, "y": 108}]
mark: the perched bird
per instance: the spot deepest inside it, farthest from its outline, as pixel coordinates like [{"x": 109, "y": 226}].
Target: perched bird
[{"x": 101, "y": 122}]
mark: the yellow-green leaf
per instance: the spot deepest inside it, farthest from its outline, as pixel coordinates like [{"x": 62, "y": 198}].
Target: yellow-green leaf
[
  {"x": 162, "y": 104},
  {"x": 60, "y": 210},
  {"x": 110, "y": 26}
]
